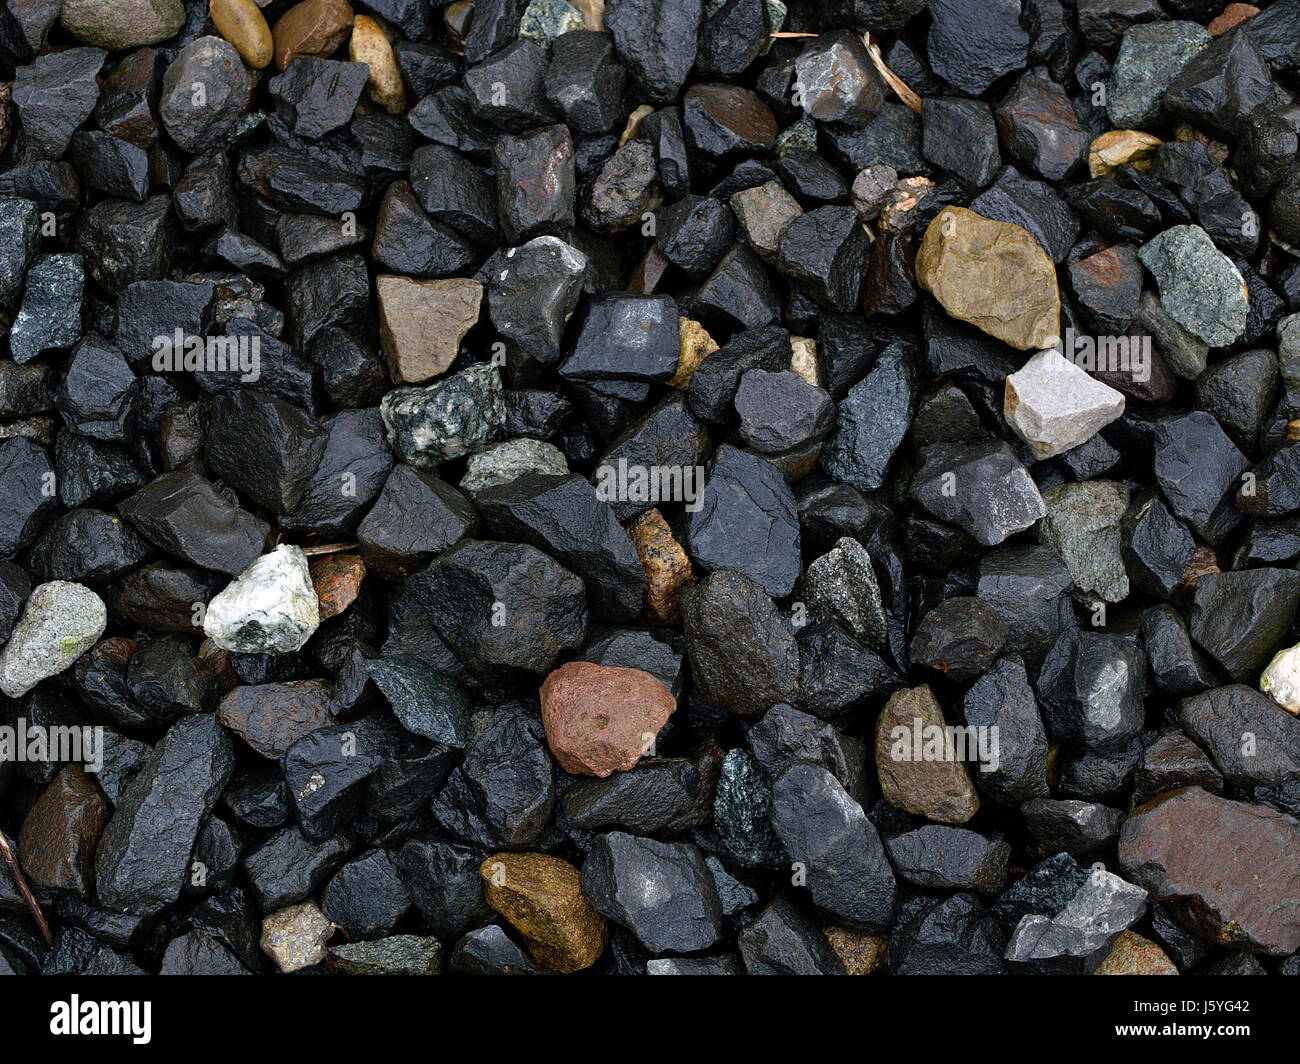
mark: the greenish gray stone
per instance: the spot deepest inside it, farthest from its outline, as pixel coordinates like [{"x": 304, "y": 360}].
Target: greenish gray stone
[
  {"x": 1185, "y": 353},
  {"x": 503, "y": 462},
  {"x": 1082, "y": 526},
  {"x": 1199, "y": 286},
  {"x": 843, "y": 583},
  {"x": 448, "y": 419},
  {"x": 800, "y": 134},
  {"x": 395, "y": 955},
  {"x": 544, "y": 20},
  {"x": 60, "y": 622},
  {"x": 1151, "y": 56},
  {"x": 742, "y": 806},
  {"x": 120, "y": 24}
]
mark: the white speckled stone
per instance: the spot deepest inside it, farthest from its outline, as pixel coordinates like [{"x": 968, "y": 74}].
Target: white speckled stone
[
  {"x": 269, "y": 608},
  {"x": 60, "y": 622}
]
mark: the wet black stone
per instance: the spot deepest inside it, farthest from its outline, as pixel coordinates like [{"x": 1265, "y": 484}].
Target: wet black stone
[
  {"x": 15, "y": 586},
  {"x": 564, "y": 516},
  {"x": 258, "y": 798},
  {"x": 332, "y": 292},
  {"x": 183, "y": 514},
  {"x": 872, "y": 420},
  {"x": 952, "y": 936},
  {"x": 1071, "y": 826},
  {"x": 1040, "y": 127},
  {"x": 1276, "y": 487},
  {"x": 304, "y": 238},
  {"x": 960, "y": 136},
  {"x": 1156, "y": 546},
  {"x": 990, "y": 495},
  {"x": 1241, "y": 618},
  {"x": 27, "y": 491},
  {"x": 153, "y": 308},
  {"x": 128, "y": 98},
  {"x": 1107, "y": 287},
  {"x": 351, "y": 473},
  {"x": 288, "y": 866},
  {"x": 144, "y": 854},
  {"x": 731, "y": 38},
  {"x": 195, "y": 120},
  {"x": 326, "y": 770},
  {"x": 1002, "y": 698},
  {"x": 839, "y": 672},
  {"x": 1117, "y": 212},
  {"x": 1196, "y": 466},
  {"x": 738, "y": 293},
  {"x": 939, "y": 857},
  {"x": 694, "y": 233},
  {"x": 455, "y": 192},
  {"x": 656, "y": 43},
  {"x": 506, "y": 89},
  {"x": 244, "y": 254},
  {"x": 408, "y": 241},
  {"x": 1206, "y": 189},
  {"x": 114, "y": 166},
  {"x": 1268, "y": 541},
  {"x": 660, "y": 891},
  {"x": 781, "y": 940},
  {"x": 295, "y": 182},
  {"x": 623, "y": 190},
  {"x": 490, "y": 951},
  {"x": 1173, "y": 760},
  {"x": 425, "y": 67},
  {"x": 972, "y": 44},
  {"x": 55, "y": 94},
  {"x": 714, "y": 384},
  {"x": 531, "y": 292},
  {"x": 960, "y": 637},
  {"x": 824, "y": 252},
  {"x": 1044, "y": 890},
  {"x": 502, "y": 795},
  {"x": 542, "y": 607},
  {"x": 264, "y": 447},
  {"x": 122, "y": 241},
  {"x": 1239, "y": 391},
  {"x": 781, "y": 411},
  {"x": 366, "y": 897},
  {"x": 443, "y": 881},
  {"x": 87, "y": 546},
  {"x": 415, "y": 518},
  {"x": 51, "y": 312},
  {"x": 1221, "y": 86},
  {"x": 1091, "y": 686},
  {"x": 351, "y": 375},
  {"x": 444, "y": 116},
  {"x": 810, "y": 177},
  {"x": 535, "y": 182},
  {"x": 747, "y": 522},
  {"x": 819, "y": 824}
]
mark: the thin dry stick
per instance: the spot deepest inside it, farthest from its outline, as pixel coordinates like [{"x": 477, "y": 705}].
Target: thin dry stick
[
  {"x": 328, "y": 548},
  {"x": 893, "y": 80},
  {"x": 20, "y": 880}
]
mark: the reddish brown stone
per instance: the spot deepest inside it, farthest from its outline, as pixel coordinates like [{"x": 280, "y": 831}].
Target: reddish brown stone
[
  {"x": 58, "y": 838},
  {"x": 314, "y": 27},
  {"x": 271, "y": 717},
  {"x": 1232, "y": 15},
  {"x": 600, "y": 718},
  {"x": 1228, "y": 870},
  {"x": 337, "y": 580},
  {"x": 1204, "y": 561}
]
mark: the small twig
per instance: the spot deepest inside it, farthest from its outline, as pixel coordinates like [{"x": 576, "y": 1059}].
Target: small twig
[
  {"x": 328, "y": 548},
  {"x": 787, "y": 34},
  {"x": 20, "y": 881},
  {"x": 893, "y": 80}
]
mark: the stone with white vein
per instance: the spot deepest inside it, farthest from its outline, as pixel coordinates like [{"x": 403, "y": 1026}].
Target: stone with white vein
[{"x": 269, "y": 608}]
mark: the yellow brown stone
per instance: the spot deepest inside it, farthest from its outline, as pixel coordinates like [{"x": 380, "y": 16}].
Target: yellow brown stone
[
  {"x": 1134, "y": 955},
  {"x": 242, "y": 23},
  {"x": 668, "y": 572},
  {"x": 861, "y": 951},
  {"x": 296, "y": 937},
  {"x": 803, "y": 359},
  {"x": 369, "y": 45},
  {"x": 697, "y": 345},
  {"x": 1121, "y": 146},
  {"x": 539, "y": 896},
  {"x": 993, "y": 275}
]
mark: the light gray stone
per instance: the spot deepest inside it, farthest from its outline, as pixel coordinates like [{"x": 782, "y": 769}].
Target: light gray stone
[
  {"x": 503, "y": 462},
  {"x": 269, "y": 608},
  {"x": 60, "y": 622},
  {"x": 843, "y": 583},
  {"x": 1054, "y": 406},
  {"x": 1199, "y": 286}
]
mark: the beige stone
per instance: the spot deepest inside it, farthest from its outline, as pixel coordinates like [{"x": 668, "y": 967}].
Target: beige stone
[
  {"x": 242, "y": 23},
  {"x": 919, "y": 777},
  {"x": 369, "y": 45},
  {"x": 803, "y": 359},
  {"x": 993, "y": 275},
  {"x": 421, "y": 323},
  {"x": 1121, "y": 146},
  {"x": 295, "y": 938},
  {"x": 697, "y": 345}
]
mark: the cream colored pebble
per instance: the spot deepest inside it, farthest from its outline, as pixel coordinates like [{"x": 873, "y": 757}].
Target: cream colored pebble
[
  {"x": 370, "y": 46},
  {"x": 242, "y": 23}
]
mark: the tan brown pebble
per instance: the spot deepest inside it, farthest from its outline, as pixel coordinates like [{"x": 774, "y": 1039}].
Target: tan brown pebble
[
  {"x": 58, "y": 839},
  {"x": 1134, "y": 955},
  {"x": 803, "y": 359},
  {"x": 994, "y": 275},
  {"x": 271, "y": 717},
  {"x": 6, "y": 114},
  {"x": 541, "y": 898},
  {"x": 313, "y": 27},
  {"x": 369, "y": 45},
  {"x": 1230, "y": 16},
  {"x": 668, "y": 572},
  {"x": 634, "y": 121},
  {"x": 295, "y": 938},
  {"x": 421, "y": 323},
  {"x": 940, "y": 790},
  {"x": 697, "y": 345},
  {"x": 242, "y": 23},
  {"x": 601, "y": 719},
  {"x": 861, "y": 951},
  {"x": 1121, "y": 146},
  {"x": 1293, "y": 431},
  {"x": 592, "y": 11},
  {"x": 764, "y": 213},
  {"x": 337, "y": 580}
]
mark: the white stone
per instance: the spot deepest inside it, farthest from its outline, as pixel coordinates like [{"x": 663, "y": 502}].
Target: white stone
[
  {"x": 1281, "y": 679},
  {"x": 269, "y": 608},
  {"x": 1054, "y": 406},
  {"x": 60, "y": 622}
]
